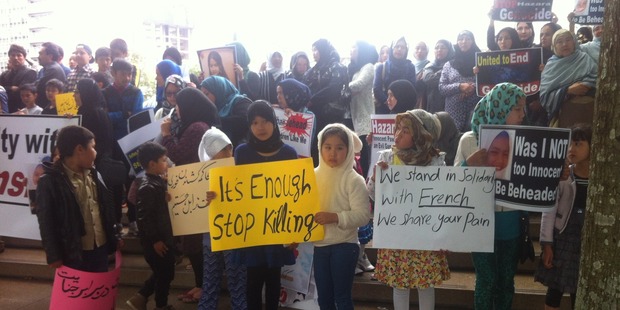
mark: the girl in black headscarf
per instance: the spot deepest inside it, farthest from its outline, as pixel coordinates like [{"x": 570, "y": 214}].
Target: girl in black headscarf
[
  {"x": 263, "y": 263},
  {"x": 300, "y": 63},
  {"x": 401, "y": 97},
  {"x": 90, "y": 102},
  {"x": 395, "y": 68}
]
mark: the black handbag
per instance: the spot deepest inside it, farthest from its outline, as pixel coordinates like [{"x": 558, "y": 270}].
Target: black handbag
[{"x": 526, "y": 246}]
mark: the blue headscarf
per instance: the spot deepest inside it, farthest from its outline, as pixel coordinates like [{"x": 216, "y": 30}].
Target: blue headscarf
[
  {"x": 166, "y": 68},
  {"x": 297, "y": 94},
  {"x": 226, "y": 94}
]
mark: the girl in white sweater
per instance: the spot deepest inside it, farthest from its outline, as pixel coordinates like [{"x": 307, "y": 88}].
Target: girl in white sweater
[{"x": 344, "y": 208}]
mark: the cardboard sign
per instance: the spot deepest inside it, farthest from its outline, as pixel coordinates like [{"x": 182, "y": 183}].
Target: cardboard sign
[
  {"x": 187, "y": 186},
  {"x": 261, "y": 204},
  {"x": 383, "y": 127},
  {"x": 445, "y": 208},
  {"x": 296, "y": 130},
  {"x": 65, "y": 104}
]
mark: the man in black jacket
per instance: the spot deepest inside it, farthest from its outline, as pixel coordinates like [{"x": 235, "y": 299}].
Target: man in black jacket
[
  {"x": 48, "y": 58},
  {"x": 74, "y": 208}
]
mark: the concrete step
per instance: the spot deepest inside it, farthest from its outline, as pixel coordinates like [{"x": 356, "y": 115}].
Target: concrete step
[{"x": 455, "y": 293}]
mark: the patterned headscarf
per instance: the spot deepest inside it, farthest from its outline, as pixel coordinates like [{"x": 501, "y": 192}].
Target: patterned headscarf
[
  {"x": 422, "y": 151},
  {"x": 167, "y": 107},
  {"x": 297, "y": 94},
  {"x": 494, "y": 107}
]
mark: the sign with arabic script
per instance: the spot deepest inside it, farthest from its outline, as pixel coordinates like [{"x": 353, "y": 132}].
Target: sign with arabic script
[
  {"x": 76, "y": 290},
  {"x": 265, "y": 203},
  {"x": 188, "y": 186}
]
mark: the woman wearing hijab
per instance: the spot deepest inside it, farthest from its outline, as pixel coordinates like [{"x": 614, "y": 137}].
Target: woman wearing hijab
[
  {"x": 163, "y": 70},
  {"x": 263, "y": 263},
  {"x": 247, "y": 80},
  {"x": 401, "y": 97},
  {"x": 397, "y": 67},
  {"x": 197, "y": 114},
  {"x": 91, "y": 103},
  {"x": 458, "y": 82},
  {"x": 300, "y": 63},
  {"x": 293, "y": 95},
  {"x": 173, "y": 85},
  {"x": 326, "y": 80},
  {"x": 362, "y": 72},
  {"x": 568, "y": 82},
  {"x": 434, "y": 101},
  {"x": 231, "y": 105},
  {"x": 268, "y": 80}
]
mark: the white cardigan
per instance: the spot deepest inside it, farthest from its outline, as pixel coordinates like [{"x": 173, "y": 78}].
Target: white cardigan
[{"x": 362, "y": 101}]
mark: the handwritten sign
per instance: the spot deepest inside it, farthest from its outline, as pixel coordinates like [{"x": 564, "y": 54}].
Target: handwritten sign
[
  {"x": 519, "y": 66},
  {"x": 296, "y": 130},
  {"x": 261, "y": 204},
  {"x": 449, "y": 208},
  {"x": 522, "y": 10},
  {"x": 132, "y": 141},
  {"x": 589, "y": 12},
  {"x": 382, "y": 127},
  {"x": 77, "y": 290},
  {"x": 65, "y": 104},
  {"x": 26, "y": 140},
  {"x": 528, "y": 164},
  {"x": 187, "y": 186}
]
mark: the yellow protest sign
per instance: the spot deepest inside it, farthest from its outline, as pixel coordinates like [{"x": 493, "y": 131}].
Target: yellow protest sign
[
  {"x": 188, "y": 186},
  {"x": 65, "y": 104},
  {"x": 261, "y": 204}
]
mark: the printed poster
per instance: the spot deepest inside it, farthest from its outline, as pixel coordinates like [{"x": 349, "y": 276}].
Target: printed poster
[
  {"x": 296, "y": 130},
  {"x": 519, "y": 66},
  {"x": 528, "y": 163},
  {"x": 522, "y": 10},
  {"x": 382, "y": 129},
  {"x": 589, "y": 12},
  {"x": 26, "y": 141}
]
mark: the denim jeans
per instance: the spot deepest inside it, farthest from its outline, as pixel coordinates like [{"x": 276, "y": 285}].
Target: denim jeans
[{"x": 334, "y": 269}]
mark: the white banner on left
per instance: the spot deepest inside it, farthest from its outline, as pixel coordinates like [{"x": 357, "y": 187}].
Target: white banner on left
[{"x": 24, "y": 142}]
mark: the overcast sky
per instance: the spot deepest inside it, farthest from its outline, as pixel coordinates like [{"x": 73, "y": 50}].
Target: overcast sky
[{"x": 291, "y": 26}]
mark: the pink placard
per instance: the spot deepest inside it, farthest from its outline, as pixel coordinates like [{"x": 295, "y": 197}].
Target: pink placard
[{"x": 75, "y": 289}]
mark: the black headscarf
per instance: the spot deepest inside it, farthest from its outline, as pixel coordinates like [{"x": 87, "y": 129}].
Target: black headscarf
[
  {"x": 398, "y": 67},
  {"x": 263, "y": 109},
  {"x": 294, "y": 59},
  {"x": 366, "y": 54},
  {"x": 94, "y": 118},
  {"x": 296, "y": 93},
  {"x": 437, "y": 64},
  {"x": 327, "y": 52},
  {"x": 405, "y": 94},
  {"x": 194, "y": 106},
  {"x": 464, "y": 62}
]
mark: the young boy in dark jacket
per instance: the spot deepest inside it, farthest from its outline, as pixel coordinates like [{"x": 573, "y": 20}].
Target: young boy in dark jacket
[
  {"x": 155, "y": 228},
  {"x": 74, "y": 208}
]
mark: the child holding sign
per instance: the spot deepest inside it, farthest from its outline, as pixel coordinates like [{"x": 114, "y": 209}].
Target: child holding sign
[
  {"x": 344, "y": 208},
  {"x": 263, "y": 262},
  {"x": 560, "y": 229},
  {"x": 404, "y": 269},
  {"x": 216, "y": 145},
  {"x": 503, "y": 105}
]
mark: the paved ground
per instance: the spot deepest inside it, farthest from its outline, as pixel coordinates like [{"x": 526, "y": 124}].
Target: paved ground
[{"x": 25, "y": 294}]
